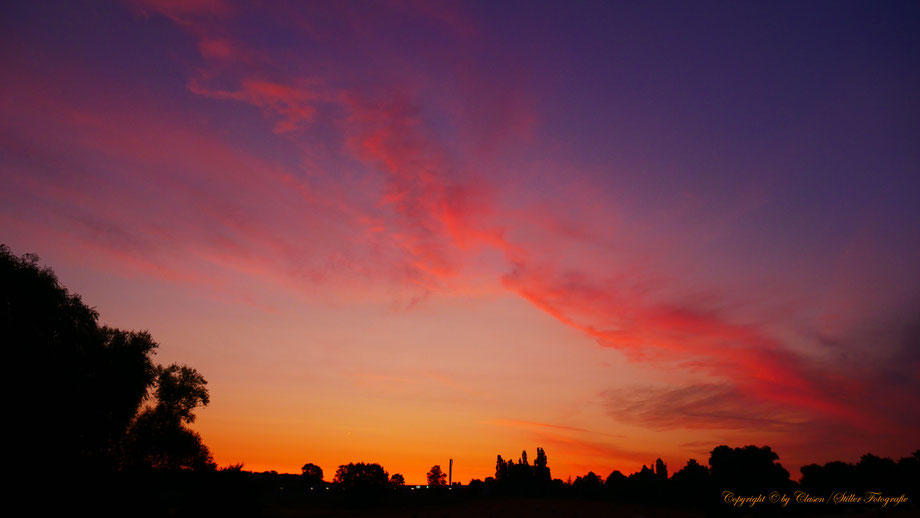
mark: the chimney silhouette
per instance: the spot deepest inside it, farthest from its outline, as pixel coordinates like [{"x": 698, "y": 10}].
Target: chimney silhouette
[{"x": 450, "y": 473}]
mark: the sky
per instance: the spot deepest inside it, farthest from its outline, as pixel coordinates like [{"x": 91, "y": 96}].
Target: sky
[{"x": 406, "y": 232}]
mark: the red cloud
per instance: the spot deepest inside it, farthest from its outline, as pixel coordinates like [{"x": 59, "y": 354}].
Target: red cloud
[{"x": 681, "y": 338}]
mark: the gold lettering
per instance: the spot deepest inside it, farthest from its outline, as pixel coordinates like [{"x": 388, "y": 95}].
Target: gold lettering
[{"x": 804, "y": 498}]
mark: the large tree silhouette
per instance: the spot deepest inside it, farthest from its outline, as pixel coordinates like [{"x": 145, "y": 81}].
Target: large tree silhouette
[
  {"x": 750, "y": 468},
  {"x": 88, "y": 381}
]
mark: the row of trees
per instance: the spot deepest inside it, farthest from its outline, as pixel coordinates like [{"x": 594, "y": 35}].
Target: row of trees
[
  {"x": 522, "y": 470},
  {"x": 748, "y": 470},
  {"x": 97, "y": 399},
  {"x": 365, "y": 477}
]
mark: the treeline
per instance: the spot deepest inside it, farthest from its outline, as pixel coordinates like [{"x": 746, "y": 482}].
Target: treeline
[
  {"x": 745, "y": 471},
  {"x": 749, "y": 470}
]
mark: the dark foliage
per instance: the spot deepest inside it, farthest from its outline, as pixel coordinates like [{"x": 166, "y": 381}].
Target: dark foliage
[
  {"x": 89, "y": 380},
  {"x": 747, "y": 470},
  {"x": 312, "y": 475},
  {"x": 363, "y": 483},
  {"x": 871, "y": 473},
  {"x": 541, "y": 473},
  {"x": 588, "y": 486},
  {"x": 92, "y": 381},
  {"x": 436, "y": 477},
  {"x": 692, "y": 484},
  {"x": 159, "y": 438}
]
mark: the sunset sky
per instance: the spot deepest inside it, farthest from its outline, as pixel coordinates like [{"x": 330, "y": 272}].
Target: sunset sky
[{"x": 409, "y": 231}]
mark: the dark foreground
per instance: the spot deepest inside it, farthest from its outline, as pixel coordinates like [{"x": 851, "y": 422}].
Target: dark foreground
[
  {"x": 558, "y": 508},
  {"x": 238, "y": 493},
  {"x": 493, "y": 508}
]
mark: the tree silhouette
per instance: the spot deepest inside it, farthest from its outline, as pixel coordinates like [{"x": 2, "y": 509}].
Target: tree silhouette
[
  {"x": 747, "y": 469},
  {"x": 873, "y": 470},
  {"x": 692, "y": 484},
  {"x": 97, "y": 376},
  {"x": 312, "y": 474},
  {"x": 870, "y": 473},
  {"x": 436, "y": 477},
  {"x": 397, "y": 480},
  {"x": 833, "y": 476},
  {"x": 521, "y": 477},
  {"x": 180, "y": 389},
  {"x": 158, "y": 437},
  {"x": 501, "y": 469},
  {"x": 661, "y": 469},
  {"x": 540, "y": 467},
  {"x": 589, "y": 485},
  {"x": 362, "y": 478},
  {"x": 616, "y": 484},
  {"x": 155, "y": 443},
  {"x": 691, "y": 474}
]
